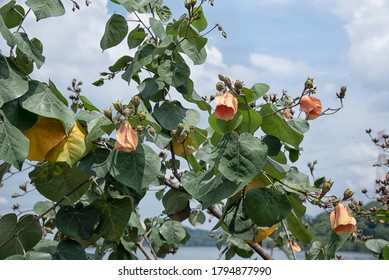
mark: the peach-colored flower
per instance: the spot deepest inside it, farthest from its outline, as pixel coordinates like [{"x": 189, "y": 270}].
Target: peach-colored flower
[
  {"x": 342, "y": 220},
  {"x": 311, "y": 106},
  {"x": 226, "y": 106},
  {"x": 126, "y": 138},
  {"x": 295, "y": 247}
]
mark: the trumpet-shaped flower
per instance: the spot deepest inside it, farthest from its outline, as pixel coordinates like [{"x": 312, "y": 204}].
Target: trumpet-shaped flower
[
  {"x": 226, "y": 106},
  {"x": 126, "y": 138},
  {"x": 311, "y": 106},
  {"x": 342, "y": 220}
]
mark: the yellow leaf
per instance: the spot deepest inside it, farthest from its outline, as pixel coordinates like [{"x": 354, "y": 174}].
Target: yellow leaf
[
  {"x": 263, "y": 233},
  {"x": 183, "y": 147},
  {"x": 44, "y": 135},
  {"x": 72, "y": 148}
]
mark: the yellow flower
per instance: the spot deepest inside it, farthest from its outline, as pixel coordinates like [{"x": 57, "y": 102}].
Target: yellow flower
[
  {"x": 311, "y": 106},
  {"x": 226, "y": 106},
  {"x": 295, "y": 247},
  {"x": 342, "y": 220},
  {"x": 126, "y": 138}
]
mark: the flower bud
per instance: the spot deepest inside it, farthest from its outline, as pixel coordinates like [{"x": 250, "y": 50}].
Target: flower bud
[
  {"x": 220, "y": 86},
  {"x": 136, "y": 101},
  {"x": 188, "y": 4},
  {"x": 308, "y": 83},
  {"x": 108, "y": 114},
  {"x": 118, "y": 106},
  {"x": 238, "y": 85},
  {"x": 193, "y": 2},
  {"x": 180, "y": 127},
  {"x": 142, "y": 115},
  {"x": 151, "y": 130},
  {"x": 221, "y": 77},
  {"x": 347, "y": 194}
]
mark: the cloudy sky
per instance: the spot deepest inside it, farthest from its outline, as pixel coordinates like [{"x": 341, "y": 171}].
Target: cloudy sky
[{"x": 278, "y": 42}]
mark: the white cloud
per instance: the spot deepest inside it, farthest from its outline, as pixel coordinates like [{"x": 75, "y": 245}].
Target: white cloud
[
  {"x": 3, "y": 200},
  {"x": 278, "y": 65}
]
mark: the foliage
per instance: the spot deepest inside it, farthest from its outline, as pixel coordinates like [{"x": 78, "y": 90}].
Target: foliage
[{"x": 239, "y": 168}]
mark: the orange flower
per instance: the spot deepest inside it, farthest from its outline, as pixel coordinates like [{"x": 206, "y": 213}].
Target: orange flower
[
  {"x": 342, "y": 220},
  {"x": 226, "y": 106},
  {"x": 295, "y": 247},
  {"x": 126, "y": 138},
  {"x": 311, "y": 106}
]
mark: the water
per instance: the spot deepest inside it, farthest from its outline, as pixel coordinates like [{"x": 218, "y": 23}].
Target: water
[{"x": 211, "y": 253}]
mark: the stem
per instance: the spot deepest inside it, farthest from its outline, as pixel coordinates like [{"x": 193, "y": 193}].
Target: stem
[
  {"x": 174, "y": 167},
  {"x": 144, "y": 251},
  {"x": 289, "y": 240}
]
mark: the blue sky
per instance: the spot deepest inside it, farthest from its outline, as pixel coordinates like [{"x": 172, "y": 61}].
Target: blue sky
[{"x": 278, "y": 42}]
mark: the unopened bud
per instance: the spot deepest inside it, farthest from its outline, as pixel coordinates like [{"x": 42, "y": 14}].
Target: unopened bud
[
  {"x": 308, "y": 83},
  {"x": 108, "y": 114},
  {"x": 188, "y": 4},
  {"x": 238, "y": 85},
  {"x": 221, "y": 77},
  {"x": 227, "y": 81},
  {"x": 142, "y": 115},
  {"x": 220, "y": 86},
  {"x": 118, "y": 106},
  {"x": 151, "y": 130},
  {"x": 180, "y": 127},
  {"x": 224, "y": 34},
  {"x": 23, "y": 187},
  {"x": 136, "y": 101},
  {"x": 139, "y": 127},
  {"x": 347, "y": 194},
  {"x": 219, "y": 27},
  {"x": 193, "y": 2}
]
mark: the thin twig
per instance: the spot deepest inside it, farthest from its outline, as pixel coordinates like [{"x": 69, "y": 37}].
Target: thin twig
[{"x": 289, "y": 240}]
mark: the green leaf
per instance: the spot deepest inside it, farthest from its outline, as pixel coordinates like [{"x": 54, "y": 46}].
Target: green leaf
[
  {"x": 267, "y": 207},
  {"x": 95, "y": 163},
  {"x": 28, "y": 48},
  {"x": 97, "y": 124},
  {"x": 174, "y": 201},
  {"x": 4, "y": 168},
  {"x": 136, "y": 37},
  {"x": 172, "y": 231},
  {"x": 78, "y": 221},
  {"x": 17, "y": 237},
  {"x": 56, "y": 181},
  {"x": 251, "y": 121},
  {"x": 335, "y": 244},
  {"x": 221, "y": 126},
  {"x": 57, "y": 93},
  {"x": 136, "y": 170},
  {"x": 88, "y": 104},
  {"x": 164, "y": 13},
  {"x": 34, "y": 255},
  {"x": 69, "y": 250},
  {"x": 376, "y": 245},
  {"x": 114, "y": 216},
  {"x": 274, "y": 124},
  {"x": 14, "y": 145},
  {"x": 46, "y": 9},
  {"x": 298, "y": 207},
  {"x": 297, "y": 180},
  {"x": 43, "y": 206},
  {"x": 134, "y": 5},
  {"x": 121, "y": 63},
  {"x": 12, "y": 83},
  {"x": 174, "y": 73},
  {"x": 157, "y": 28},
  {"x": 170, "y": 113},
  {"x": 260, "y": 90},
  {"x": 297, "y": 229},
  {"x": 239, "y": 157},
  {"x": 316, "y": 252},
  {"x": 200, "y": 21},
  {"x": 41, "y": 101},
  {"x": 238, "y": 222},
  {"x": 17, "y": 116},
  {"x": 116, "y": 30},
  {"x": 207, "y": 188},
  {"x": 12, "y": 15},
  {"x": 193, "y": 45},
  {"x": 150, "y": 87},
  {"x": 197, "y": 218},
  {"x": 385, "y": 252},
  {"x": 273, "y": 145},
  {"x": 7, "y": 35},
  {"x": 299, "y": 124},
  {"x": 190, "y": 95},
  {"x": 143, "y": 57}
]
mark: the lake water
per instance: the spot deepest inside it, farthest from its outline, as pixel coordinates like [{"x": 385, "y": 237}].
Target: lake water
[{"x": 211, "y": 253}]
